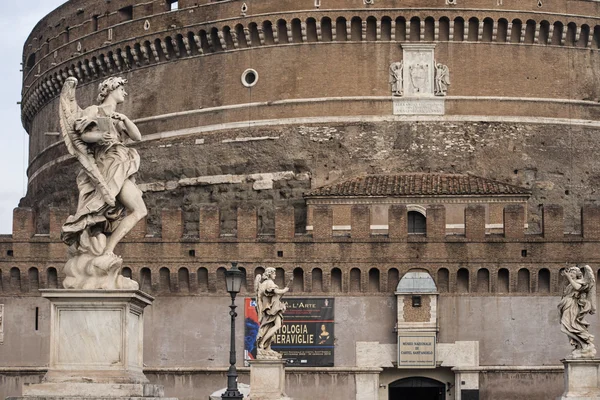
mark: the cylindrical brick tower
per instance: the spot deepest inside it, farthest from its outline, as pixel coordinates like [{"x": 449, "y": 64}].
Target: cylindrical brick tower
[{"x": 257, "y": 102}]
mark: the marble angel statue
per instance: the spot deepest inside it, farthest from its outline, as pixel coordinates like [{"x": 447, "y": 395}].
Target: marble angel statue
[
  {"x": 270, "y": 309},
  {"x": 110, "y": 204},
  {"x": 579, "y": 299},
  {"x": 442, "y": 80},
  {"x": 396, "y": 78}
]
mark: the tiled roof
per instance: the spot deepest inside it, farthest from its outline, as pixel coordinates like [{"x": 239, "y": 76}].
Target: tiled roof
[{"x": 418, "y": 184}]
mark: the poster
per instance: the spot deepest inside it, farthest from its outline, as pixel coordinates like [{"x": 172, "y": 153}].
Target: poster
[{"x": 306, "y": 338}]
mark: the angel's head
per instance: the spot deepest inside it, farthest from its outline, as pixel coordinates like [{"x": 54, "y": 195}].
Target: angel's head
[
  {"x": 269, "y": 272},
  {"x": 575, "y": 272},
  {"x": 112, "y": 87}
]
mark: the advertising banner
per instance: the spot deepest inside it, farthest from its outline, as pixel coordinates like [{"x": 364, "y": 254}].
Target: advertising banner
[{"x": 306, "y": 337}]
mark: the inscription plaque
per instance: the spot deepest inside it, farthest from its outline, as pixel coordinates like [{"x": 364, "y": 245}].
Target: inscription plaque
[
  {"x": 416, "y": 350},
  {"x": 419, "y": 106}
]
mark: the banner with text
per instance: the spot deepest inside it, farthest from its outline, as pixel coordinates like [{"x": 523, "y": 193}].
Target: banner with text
[{"x": 306, "y": 337}]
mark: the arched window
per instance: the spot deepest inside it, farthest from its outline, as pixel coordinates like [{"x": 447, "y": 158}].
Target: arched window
[
  {"x": 417, "y": 223},
  {"x": 596, "y": 39},
  {"x": 326, "y": 30},
  {"x": 311, "y": 30},
  {"x": 544, "y": 281},
  {"x": 373, "y": 280},
  {"x": 15, "y": 279},
  {"x": 443, "y": 280},
  {"x": 530, "y": 31},
  {"x": 34, "y": 279},
  {"x": 279, "y": 277},
  {"x": 503, "y": 281},
  {"x": 571, "y": 33},
  {"x": 557, "y": 34},
  {"x": 126, "y": 272},
  {"x": 146, "y": 280},
  {"x": 298, "y": 284},
  {"x": 336, "y": 280},
  {"x": 317, "y": 280},
  {"x": 429, "y": 29},
  {"x": 459, "y": 29},
  {"x": 183, "y": 277},
  {"x": 164, "y": 279},
  {"x": 254, "y": 36},
  {"x": 544, "y": 32},
  {"x": 221, "y": 284},
  {"x": 393, "y": 279},
  {"x": 444, "y": 29},
  {"x": 268, "y": 32},
  {"x": 488, "y": 30},
  {"x": 502, "y": 33},
  {"x": 473, "y": 29},
  {"x": 371, "y": 29},
  {"x": 386, "y": 28},
  {"x": 356, "y": 29},
  {"x": 355, "y": 280},
  {"x": 52, "y": 278},
  {"x": 282, "y": 32},
  {"x": 341, "y": 33},
  {"x": 515, "y": 33},
  {"x": 296, "y": 31},
  {"x": 241, "y": 36},
  {"x": 462, "y": 280},
  {"x": 523, "y": 281},
  {"x": 483, "y": 280},
  {"x": 415, "y": 29},
  {"x": 400, "y": 29},
  {"x": 584, "y": 36},
  {"x": 202, "y": 275}
]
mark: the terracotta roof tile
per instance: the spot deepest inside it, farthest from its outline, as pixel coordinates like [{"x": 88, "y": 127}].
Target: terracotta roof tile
[{"x": 418, "y": 184}]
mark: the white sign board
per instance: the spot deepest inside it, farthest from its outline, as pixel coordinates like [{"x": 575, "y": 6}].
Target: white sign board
[{"x": 416, "y": 350}]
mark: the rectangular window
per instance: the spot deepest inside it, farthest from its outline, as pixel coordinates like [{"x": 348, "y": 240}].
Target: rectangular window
[
  {"x": 95, "y": 23},
  {"x": 126, "y": 13},
  {"x": 172, "y": 5}
]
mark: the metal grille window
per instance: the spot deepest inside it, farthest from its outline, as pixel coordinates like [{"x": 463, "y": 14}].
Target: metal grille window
[{"x": 416, "y": 223}]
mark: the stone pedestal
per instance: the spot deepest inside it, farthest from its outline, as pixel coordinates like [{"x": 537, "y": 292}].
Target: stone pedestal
[
  {"x": 582, "y": 379},
  {"x": 267, "y": 380},
  {"x": 96, "y": 346}
]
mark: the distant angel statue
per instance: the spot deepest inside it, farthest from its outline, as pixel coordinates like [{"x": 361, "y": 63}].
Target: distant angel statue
[
  {"x": 579, "y": 299},
  {"x": 110, "y": 204},
  {"x": 396, "y": 78},
  {"x": 270, "y": 309},
  {"x": 442, "y": 80}
]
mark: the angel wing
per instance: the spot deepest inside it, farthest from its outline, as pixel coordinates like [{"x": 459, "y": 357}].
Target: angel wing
[
  {"x": 588, "y": 276},
  {"x": 259, "y": 307},
  {"x": 394, "y": 69},
  {"x": 69, "y": 111},
  {"x": 446, "y": 75}
]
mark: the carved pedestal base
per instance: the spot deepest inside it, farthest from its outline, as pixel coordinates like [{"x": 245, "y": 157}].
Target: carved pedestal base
[
  {"x": 582, "y": 379},
  {"x": 96, "y": 347},
  {"x": 267, "y": 380}
]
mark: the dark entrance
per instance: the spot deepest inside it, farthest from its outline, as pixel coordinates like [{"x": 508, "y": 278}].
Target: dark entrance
[{"x": 417, "y": 388}]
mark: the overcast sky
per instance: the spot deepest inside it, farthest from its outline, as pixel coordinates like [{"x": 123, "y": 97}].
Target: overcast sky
[{"x": 16, "y": 22}]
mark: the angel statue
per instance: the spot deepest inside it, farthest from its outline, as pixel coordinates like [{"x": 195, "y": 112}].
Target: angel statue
[
  {"x": 270, "y": 311},
  {"x": 396, "y": 78},
  {"x": 579, "y": 299},
  {"x": 442, "y": 80},
  {"x": 110, "y": 204}
]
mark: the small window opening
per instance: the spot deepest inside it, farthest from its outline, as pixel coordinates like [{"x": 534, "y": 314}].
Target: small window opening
[
  {"x": 523, "y": 253},
  {"x": 172, "y": 5},
  {"x": 9, "y": 253},
  {"x": 126, "y": 13},
  {"x": 279, "y": 253},
  {"x": 249, "y": 77},
  {"x": 416, "y": 223},
  {"x": 416, "y": 301},
  {"x": 37, "y": 318},
  {"x": 95, "y": 22},
  {"x": 192, "y": 253}
]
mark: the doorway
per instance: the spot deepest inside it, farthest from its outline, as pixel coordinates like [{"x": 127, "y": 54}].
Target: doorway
[{"x": 417, "y": 388}]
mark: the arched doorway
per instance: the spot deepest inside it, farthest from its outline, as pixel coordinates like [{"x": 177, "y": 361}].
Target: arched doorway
[{"x": 417, "y": 388}]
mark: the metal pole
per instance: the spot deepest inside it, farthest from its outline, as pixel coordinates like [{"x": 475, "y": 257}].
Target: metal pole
[{"x": 232, "y": 391}]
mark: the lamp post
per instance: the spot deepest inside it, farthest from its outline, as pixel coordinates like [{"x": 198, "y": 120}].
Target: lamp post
[{"x": 234, "y": 278}]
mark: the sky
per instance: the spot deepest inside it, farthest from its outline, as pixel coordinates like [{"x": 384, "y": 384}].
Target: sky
[{"x": 16, "y": 22}]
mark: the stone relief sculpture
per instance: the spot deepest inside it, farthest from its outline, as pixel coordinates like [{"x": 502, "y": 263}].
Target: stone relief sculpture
[
  {"x": 110, "y": 204},
  {"x": 578, "y": 300},
  {"x": 442, "y": 80},
  {"x": 418, "y": 74},
  {"x": 396, "y": 78},
  {"x": 270, "y": 309}
]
